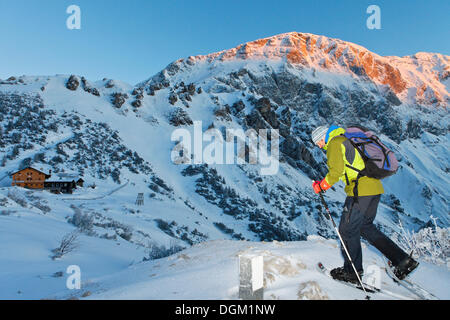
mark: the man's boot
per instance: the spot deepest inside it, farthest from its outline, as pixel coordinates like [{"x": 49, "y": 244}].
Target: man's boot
[
  {"x": 343, "y": 275},
  {"x": 405, "y": 267}
]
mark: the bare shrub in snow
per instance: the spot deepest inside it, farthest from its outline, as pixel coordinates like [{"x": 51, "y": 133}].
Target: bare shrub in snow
[
  {"x": 83, "y": 221},
  {"x": 17, "y": 199},
  {"x": 431, "y": 244},
  {"x": 179, "y": 117},
  {"x": 127, "y": 233},
  {"x": 157, "y": 252},
  {"x": 68, "y": 244},
  {"x": 122, "y": 230},
  {"x": 3, "y": 202},
  {"x": 43, "y": 207},
  {"x": 165, "y": 226}
]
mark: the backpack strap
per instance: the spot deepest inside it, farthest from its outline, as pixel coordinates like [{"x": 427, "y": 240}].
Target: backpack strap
[
  {"x": 346, "y": 178},
  {"x": 360, "y": 175},
  {"x": 355, "y": 189},
  {"x": 353, "y": 168},
  {"x": 360, "y": 172}
]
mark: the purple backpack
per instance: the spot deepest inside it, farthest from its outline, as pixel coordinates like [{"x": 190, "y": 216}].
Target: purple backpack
[{"x": 380, "y": 162}]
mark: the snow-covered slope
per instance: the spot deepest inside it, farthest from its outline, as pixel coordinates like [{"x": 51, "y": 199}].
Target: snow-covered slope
[
  {"x": 118, "y": 137},
  {"x": 207, "y": 271}
]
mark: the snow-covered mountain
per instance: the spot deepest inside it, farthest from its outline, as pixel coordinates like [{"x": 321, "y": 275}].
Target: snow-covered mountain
[
  {"x": 118, "y": 137},
  {"x": 421, "y": 78}
]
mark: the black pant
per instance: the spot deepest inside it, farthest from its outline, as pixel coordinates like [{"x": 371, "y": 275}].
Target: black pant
[{"x": 357, "y": 221}]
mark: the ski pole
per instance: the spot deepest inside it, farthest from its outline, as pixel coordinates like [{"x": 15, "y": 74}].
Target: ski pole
[{"x": 343, "y": 244}]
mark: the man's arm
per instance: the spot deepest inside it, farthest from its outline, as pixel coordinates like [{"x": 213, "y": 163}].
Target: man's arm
[{"x": 335, "y": 161}]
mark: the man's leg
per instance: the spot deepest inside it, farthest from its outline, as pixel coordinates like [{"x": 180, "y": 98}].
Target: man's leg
[
  {"x": 349, "y": 228},
  {"x": 376, "y": 238}
]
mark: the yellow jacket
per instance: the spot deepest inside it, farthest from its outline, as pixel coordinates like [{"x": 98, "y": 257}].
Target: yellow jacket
[{"x": 340, "y": 155}]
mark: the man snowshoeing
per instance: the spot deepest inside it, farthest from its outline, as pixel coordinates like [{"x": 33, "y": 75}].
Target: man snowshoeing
[{"x": 359, "y": 211}]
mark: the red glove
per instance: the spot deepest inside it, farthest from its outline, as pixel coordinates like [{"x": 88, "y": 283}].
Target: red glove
[{"x": 320, "y": 186}]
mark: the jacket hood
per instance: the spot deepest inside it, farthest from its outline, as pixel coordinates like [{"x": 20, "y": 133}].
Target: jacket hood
[{"x": 331, "y": 133}]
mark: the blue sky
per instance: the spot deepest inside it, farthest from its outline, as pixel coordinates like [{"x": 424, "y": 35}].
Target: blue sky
[{"x": 132, "y": 40}]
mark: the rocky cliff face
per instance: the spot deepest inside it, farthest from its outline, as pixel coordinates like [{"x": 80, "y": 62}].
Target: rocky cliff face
[
  {"x": 421, "y": 78},
  {"x": 290, "y": 82}
]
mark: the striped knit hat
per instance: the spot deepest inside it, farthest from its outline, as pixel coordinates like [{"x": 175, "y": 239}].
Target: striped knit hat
[{"x": 319, "y": 133}]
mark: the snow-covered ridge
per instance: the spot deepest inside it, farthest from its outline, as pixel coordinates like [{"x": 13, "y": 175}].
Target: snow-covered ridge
[{"x": 423, "y": 76}]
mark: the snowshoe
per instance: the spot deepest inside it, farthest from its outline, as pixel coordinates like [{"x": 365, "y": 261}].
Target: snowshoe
[{"x": 342, "y": 275}]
